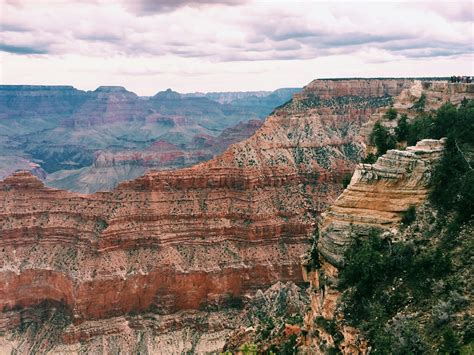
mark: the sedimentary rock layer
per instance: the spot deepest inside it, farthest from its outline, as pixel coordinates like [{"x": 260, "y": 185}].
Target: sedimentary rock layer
[
  {"x": 377, "y": 195},
  {"x": 191, "y": 238},
  {"x": 375, "y": 198}
]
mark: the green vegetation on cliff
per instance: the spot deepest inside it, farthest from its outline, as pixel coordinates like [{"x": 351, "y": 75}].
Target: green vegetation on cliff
[{"x": 412, "y": 294}]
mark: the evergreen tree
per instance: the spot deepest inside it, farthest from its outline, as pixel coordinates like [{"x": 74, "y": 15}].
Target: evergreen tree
[
  {"x": 402, "y": 128},
  {"x": 381, "y": 139}
]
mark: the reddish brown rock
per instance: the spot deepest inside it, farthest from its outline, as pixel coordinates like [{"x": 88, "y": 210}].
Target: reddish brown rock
[{"x": 190, "y": 238}]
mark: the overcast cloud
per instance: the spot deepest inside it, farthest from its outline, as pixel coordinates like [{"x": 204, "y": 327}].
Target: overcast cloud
[{"x": 209, "y": 45}]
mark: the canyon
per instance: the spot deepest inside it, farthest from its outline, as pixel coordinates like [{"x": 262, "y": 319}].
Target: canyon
[
  {"x": 195, "y": 238},
  {"x": 172, "y": 256},
  {"x": 62, "y": 134}
]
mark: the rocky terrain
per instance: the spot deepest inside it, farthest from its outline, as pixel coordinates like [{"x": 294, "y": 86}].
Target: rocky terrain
[
  {"x": 375, "y": 198},
  {"x": 200, "y": 238},
  {"x": 111, "y": 168},
  {"x": 381, "y": 199},
  {"x": 59, "y": 131}
]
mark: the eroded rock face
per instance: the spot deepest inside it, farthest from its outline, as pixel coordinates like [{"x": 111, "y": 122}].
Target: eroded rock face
[
  {"x": 377, "y": 195},
  {"x": 193, "y": 238},
  {"x": 375, "y": 198},
  {"x": 111, "y": 168}
]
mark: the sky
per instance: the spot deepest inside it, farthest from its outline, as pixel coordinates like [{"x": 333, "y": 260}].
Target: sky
[{"x": 229, "y": 45}]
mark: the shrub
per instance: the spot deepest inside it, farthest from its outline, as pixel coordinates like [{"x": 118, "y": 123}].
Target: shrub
[
  {"x": 409, "y": 216},
  {"x": 391, "y": 114},
  {"x": 370, "y": 159},
  {"x": 380, "y": 279},
  {"x": 402, "y": 128},
  {"x": 450, "y": 344},
  {"x": 419, "y": 105},
  {"x": 346, "y": 179},
  {"x": 419, "y": 129},
  {"x": 290, "y": 346},
  {"x": 381, "y": 139},
  {"x": 248, "y": 349}
]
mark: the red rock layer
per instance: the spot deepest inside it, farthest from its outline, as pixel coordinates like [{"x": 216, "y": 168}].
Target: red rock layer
[{"x": 194, "y": 237}]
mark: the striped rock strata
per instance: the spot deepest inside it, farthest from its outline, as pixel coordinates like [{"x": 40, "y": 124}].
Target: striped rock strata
[{"x": 196, "y": 238}]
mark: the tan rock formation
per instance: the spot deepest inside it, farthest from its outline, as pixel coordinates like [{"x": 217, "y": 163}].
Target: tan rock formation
[{"x": 375, "y": 198}]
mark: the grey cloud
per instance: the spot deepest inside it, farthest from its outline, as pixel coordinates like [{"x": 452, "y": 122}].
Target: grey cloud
[
  {"x": 150, "y": 7},
  {"x": 433, "y": 52},
  {"x": 4, "y": 47},
  {"x": 357, "y": 38},
  {"x": 298, "y": 34},
  {"x": 99, "y": 38},
  {"x": 277, "y": 37},
  {"x": 419, "y": 48},
  {"x": 6, "y": 27}
]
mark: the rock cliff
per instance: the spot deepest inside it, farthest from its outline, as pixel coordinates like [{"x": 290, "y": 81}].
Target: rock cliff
[
  {"x": 189, "y": 239},
  {"x": 112, "y": 167},
  {"x": 376, "y": 199}
]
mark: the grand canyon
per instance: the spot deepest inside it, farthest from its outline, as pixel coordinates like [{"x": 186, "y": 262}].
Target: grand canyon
[
  {"x": 236, "y": 177},
  {"x": 196, "y": 245}
]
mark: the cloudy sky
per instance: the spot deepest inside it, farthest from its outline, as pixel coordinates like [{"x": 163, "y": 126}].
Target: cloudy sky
[{"x": 225, "y": 45}]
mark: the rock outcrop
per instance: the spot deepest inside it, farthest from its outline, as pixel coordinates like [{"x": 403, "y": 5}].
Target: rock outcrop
[
  {"x": 196, "y": 238},
  {"x": 375, "y": 199}
]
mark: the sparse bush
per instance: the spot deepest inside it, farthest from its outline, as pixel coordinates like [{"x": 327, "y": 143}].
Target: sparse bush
[
  {"x": 409, "y": 216},
  {"x": 391, "y": 114},
  {"x": 450, "y": 344},
  {"x": 248, "y": 349},
  {"x": 346, "y": 179},
  {"x": 419, "y": 105},
  {"x": 370, "y": 159},
  {"x": 382, "y": 139},
  {"x": 290, "y": 346},
  {"x": 419, "y": 129},
  {"x": 402, "y": 128},
  {"x": 453, "y": 178}
]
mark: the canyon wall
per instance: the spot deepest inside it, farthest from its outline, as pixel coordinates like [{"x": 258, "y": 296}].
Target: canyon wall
[
  {"x": 190, "y": 239},
  {"x": 109, "y": 168},
  {"x": 376, "y": 199},
  {"x": 57, "y": 132}
]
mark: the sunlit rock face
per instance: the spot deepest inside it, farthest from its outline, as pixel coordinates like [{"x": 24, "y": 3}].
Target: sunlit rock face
[{"x": 190, "y": 239}]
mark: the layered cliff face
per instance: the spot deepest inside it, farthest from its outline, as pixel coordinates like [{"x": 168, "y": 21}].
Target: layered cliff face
[
  {"x": 377, "y": 195},
  {"x": 375, "y": 199},
  {"x": 196, "y": 238},
  {"x": 110, "y": 168}
]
